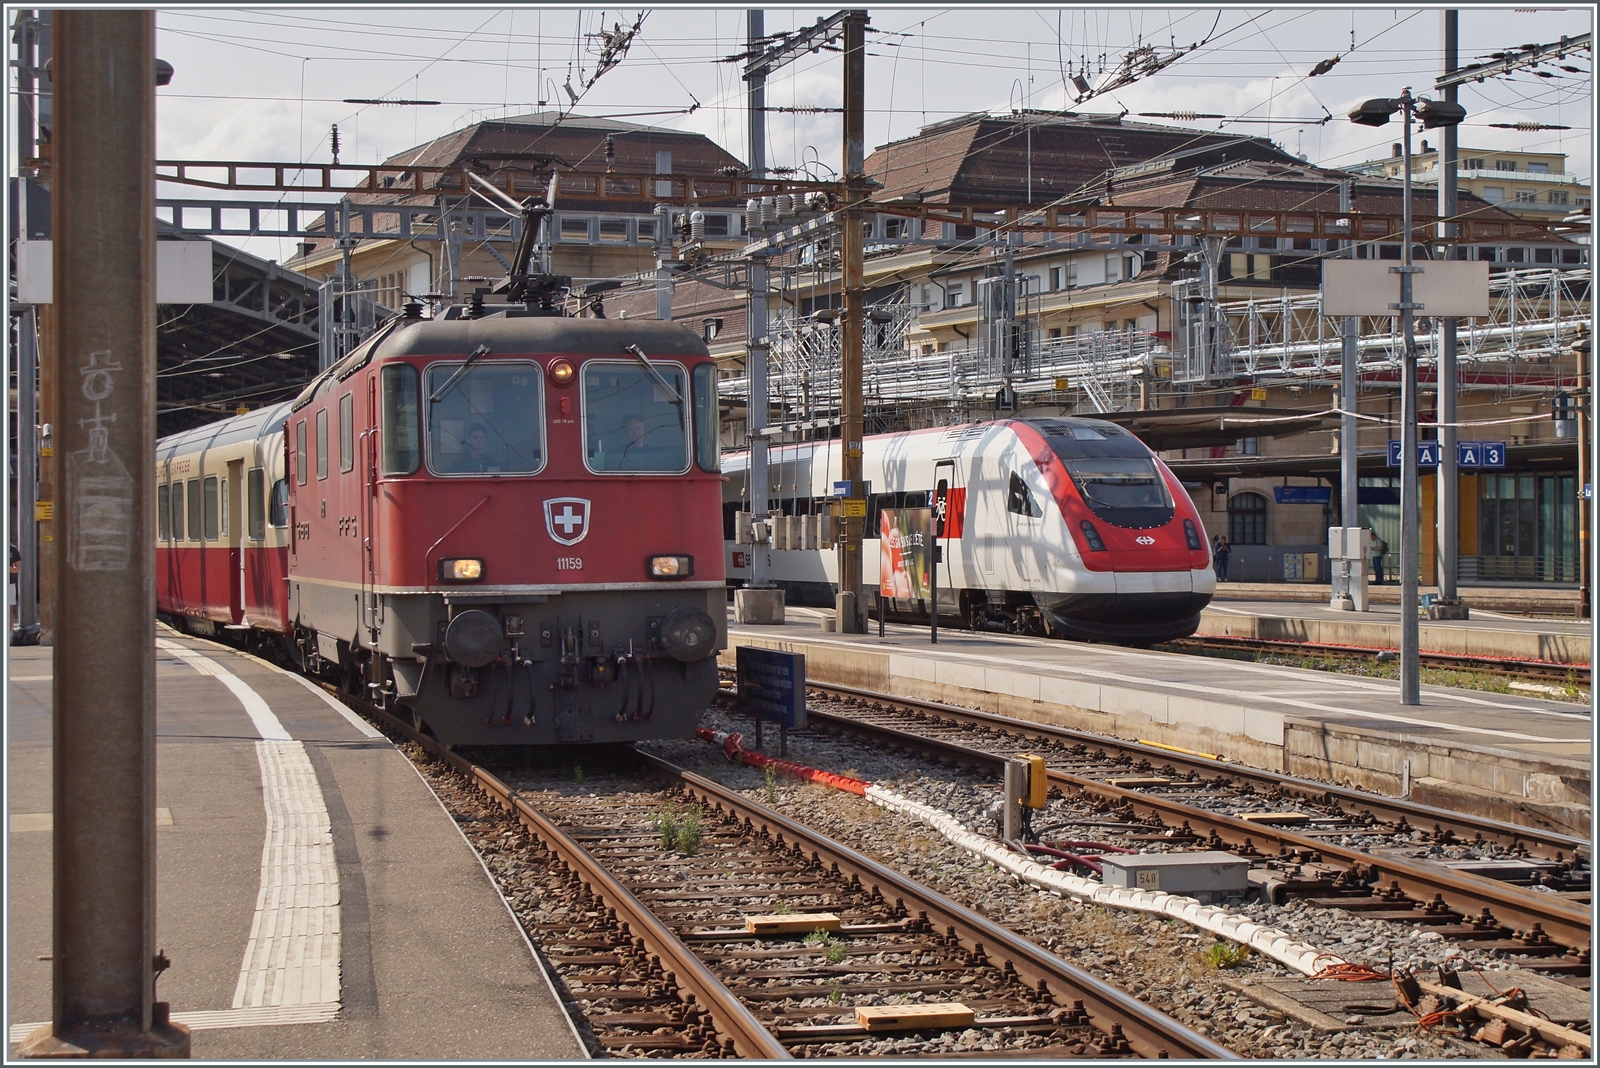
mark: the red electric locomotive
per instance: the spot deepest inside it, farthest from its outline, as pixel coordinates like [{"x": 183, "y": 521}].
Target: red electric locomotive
[{"x": 507, "y": 524}]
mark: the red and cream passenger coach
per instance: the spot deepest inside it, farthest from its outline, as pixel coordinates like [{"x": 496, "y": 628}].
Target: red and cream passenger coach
[{"x": 509, "y": 526}]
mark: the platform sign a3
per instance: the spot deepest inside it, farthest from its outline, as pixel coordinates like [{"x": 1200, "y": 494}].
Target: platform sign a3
[
  {"x": 772, "y": 685},
  {"x": 1480, "y": 454}
]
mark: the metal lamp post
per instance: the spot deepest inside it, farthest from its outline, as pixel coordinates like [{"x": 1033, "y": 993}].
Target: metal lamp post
[{"x": 1433, "y": 113}]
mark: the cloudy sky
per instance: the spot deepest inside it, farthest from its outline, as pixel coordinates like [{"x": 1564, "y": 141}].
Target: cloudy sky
[{"x": 268, "y": 83}]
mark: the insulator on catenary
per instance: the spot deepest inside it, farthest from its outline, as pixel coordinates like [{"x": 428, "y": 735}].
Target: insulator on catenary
[
  {"x": 784, "y": 205},
  {"x": 697, "y": 226},
  {"x": 752, "y": 214},
  {"x": 769, "y": 211}
]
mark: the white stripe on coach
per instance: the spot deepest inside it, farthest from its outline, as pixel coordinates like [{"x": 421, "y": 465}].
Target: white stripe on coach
[{"x": 292, "y": 957}]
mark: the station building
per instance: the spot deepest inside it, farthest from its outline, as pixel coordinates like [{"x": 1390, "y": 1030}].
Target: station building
[{"x": 1533, "y": 185}]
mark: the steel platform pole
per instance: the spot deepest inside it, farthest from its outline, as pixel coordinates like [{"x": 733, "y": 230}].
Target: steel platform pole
[
  {"x": 851, "y": 335},
  {"x": 105, "y": 963},
  {"x": 1449, "y": 605},
  {"x": 1410, "y": 517}
]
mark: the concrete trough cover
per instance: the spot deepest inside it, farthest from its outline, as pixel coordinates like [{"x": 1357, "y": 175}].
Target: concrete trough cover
[
  {"x": 1331, "y": 1006},
  {"x": 1211, "y": 871}
]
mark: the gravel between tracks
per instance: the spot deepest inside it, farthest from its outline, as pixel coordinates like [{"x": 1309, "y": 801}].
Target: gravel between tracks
[{"x": 1162, "y": 962}]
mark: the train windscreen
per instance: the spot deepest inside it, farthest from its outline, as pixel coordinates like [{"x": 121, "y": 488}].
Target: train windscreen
[{"x": 1125, "y": 491}]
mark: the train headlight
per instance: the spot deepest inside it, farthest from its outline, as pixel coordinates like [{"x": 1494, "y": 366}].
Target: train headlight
[
  {"x": 1191, "y": 535},
  {"x": 562, "y": 372},
  {"x": 461, "y": 569},
  {"x": 671, "y": 567},
  {"x": 1092, "y": 536}
]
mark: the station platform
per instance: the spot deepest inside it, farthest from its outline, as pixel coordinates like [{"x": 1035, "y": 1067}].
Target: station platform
[
  {"x": 1528, "y": 599},
  {"x": 1518, "y": 759},
  {"x": 316, "y": 900},
  {"x": 1487, "y": 633}
]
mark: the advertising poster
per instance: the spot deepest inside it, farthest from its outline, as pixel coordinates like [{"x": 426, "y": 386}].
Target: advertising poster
[{"x": 905, "y": 553}]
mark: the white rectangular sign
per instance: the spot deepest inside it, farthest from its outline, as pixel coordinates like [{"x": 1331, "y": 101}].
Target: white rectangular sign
[
  {"x": 183, "y": 272},
  {"x": 1367, "y": 287},
  {"x": 35, "y": 271}
]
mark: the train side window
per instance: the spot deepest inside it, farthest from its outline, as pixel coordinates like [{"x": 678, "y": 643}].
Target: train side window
[
  {"x": 194, "y": 509},
  {"x": 322, "y": 444},
  {"x": 256, "y": 505},
  {"x": 163, "y": 512},
  {"x": 300, "y": 452},
  {"x": 347, "y": 432},
  {"x": 707, "y": 442},
  {"x": 632, "y": 421},
  {"x": 278, "y": 509},
  {"x": 402, "y": 442},
  {"x": 211, "y": 513},
  {"x": 1019, "y": 500},
  {"x": 222, "y": 501},
  {"x": 177, "y": 511}
]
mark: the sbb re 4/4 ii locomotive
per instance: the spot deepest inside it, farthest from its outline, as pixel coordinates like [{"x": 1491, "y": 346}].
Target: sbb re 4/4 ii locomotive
[{"x": 507, "y": 526}]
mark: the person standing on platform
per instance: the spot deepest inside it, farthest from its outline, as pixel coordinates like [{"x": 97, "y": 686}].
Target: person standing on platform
[
  {"x": 1220, "y": 550},
  {"x": 11, "y": 583},
  {"x": 1379, "y": 547}
]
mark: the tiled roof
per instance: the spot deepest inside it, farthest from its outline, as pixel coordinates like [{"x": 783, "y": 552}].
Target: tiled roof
[{"x": 1036, "y": 158}]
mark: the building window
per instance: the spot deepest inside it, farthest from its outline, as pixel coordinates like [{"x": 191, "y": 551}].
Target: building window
[
  {"x": 1113, "y": 261},
  {"x": 1055, "y": 279},
  {"x": 1472, "y": 165},
  {"x": 613, "y": 231},
  {"x": 1494, "y": 194},
  {"x": 1558, "y": 196},
  {"x": 952, "y": 295},
  {"x": 1072, "y": 274},
  {"x": 1245, "y": 446},
  {"x": 1505, "y": 164},
  {"x": 647, "y": 230},
  {"x": 1247, "y": 519},
  {"x": 1526, "y": 196},
  {"x": 1054, "y": 333},
  {"x": 1538, "y": 168},
  {"x": 574, "y": 229}
]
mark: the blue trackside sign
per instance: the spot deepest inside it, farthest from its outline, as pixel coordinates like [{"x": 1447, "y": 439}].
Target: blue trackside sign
[{"x": 772, "y": 685}]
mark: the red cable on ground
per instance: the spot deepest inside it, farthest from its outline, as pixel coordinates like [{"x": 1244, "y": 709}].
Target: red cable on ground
[{"x": 730, "y": 742}]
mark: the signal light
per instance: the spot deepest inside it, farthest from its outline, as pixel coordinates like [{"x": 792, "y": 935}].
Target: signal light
[
  {"x": 461, "y": 569},
  {"x": 1091, "y": 535},
  {"x": 671, "y": 567},
  {"x": 562, "y": 372}
]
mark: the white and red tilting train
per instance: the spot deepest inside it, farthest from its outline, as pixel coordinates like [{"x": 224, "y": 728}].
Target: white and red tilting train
[
  {"x": 501, "y": 522},
  {"x": 1061, "y": 526}
]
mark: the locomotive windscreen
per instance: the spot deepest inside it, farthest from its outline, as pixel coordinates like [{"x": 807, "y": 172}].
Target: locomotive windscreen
[{"x": 1113, "y": 471}]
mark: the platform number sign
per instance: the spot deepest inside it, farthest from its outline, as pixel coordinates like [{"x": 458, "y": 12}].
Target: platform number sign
[
  {"x": 1480, "y": 454},
  {"x": 1427, "y": 454}
]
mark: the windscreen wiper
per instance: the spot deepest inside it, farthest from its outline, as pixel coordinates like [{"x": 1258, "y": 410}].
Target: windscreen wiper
[
  {"x": 661, "y": 381},
  {"x": 477, "y": 354}
]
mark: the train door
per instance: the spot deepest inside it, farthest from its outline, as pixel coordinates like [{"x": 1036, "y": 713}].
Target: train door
[
  {"x": 233, "y": 534},
  {"x": 367, "y": 457},
  {"x": 949, "y": 515},
  {"x": 990, "y": 521},
  {"x": 1024, "y": 524}
]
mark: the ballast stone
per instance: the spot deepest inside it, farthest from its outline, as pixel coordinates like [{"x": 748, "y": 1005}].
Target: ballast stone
[{"x": 1191, "y": 874}]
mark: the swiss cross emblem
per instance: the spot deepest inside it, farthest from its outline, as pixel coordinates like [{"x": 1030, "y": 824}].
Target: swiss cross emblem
[{"x": 567, "y": 519}]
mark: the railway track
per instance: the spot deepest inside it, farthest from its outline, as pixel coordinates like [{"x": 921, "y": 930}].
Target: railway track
[
  {"x": 656, "y": 941},
  {"x": 1153, "y": 797},
  {"x": 1534, "y": 670}
]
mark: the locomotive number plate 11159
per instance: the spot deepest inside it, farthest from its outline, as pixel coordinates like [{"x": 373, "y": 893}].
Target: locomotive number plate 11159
[{"x": 569, "y": 563}]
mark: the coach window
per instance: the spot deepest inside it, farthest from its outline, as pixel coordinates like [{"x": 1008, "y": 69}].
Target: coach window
[
  {"x": 211, "y": 514},
  {"x": 194, "y": 509},
  {"x": 401, "y": 446},
  {"x": 1247, "y": 519},
  {"x": 635, "y": 419},
  {"x": 163, "y": 512},
  {"x": 322, "y": 444},
  {"x": 487, "y": 419},
  {"x": 300, "y": 452},
  {"x": 255, "y": 484},
  {"x": 177, "y": 511},
  {"x": 222, "y": 501},
  {"x": 278, "y": 508},
  {"x": 707, "y": 442},
  {"x": 347, "y": 432}
]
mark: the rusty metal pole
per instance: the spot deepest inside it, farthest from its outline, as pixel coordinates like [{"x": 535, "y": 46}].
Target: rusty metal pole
[
  {"x": 104, "y": 963},
  {"x": 851, "y": 331}
]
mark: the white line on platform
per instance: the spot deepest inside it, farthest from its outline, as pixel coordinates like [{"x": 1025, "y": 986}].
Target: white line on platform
[
  {"x": 31, "y": 678},
  {"x": 292, "y": 958},
  {"x": 216, "y": 1019}
]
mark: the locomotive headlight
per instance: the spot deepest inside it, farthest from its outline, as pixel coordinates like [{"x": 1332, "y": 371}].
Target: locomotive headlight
[
  {"x": 670, "y": 567},
  {"x": 562, "y": 372},
  {"x": 1192, "y": 536},
  {"x": 461, "y": 569},
  {"x": 1092, "y": 536}
]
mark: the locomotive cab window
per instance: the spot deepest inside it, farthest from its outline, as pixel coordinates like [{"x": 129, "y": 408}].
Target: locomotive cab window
[
  {"x": 300, "y": 452},
  {"x": 1125, "y": 491},
  {"x": 488, "y": 419},
  {"x": 163, "y": 512},
  {"x": 633, "y": 424},
  {"x": 402, "y": 449},
  {"x": 255, "y": 503},
  {"x": 1020, "y": 500},
  {"x": 707, "y": 442},
  {"x": 278, "y": 507}
]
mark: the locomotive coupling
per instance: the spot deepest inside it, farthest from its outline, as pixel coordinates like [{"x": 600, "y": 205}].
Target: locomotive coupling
[
  {"x": 688, "y": 634},
  {"x": 473, "y": 638}
]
